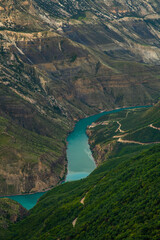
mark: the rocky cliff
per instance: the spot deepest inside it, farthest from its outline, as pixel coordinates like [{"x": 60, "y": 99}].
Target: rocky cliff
[{"x": 61, "y": 61}]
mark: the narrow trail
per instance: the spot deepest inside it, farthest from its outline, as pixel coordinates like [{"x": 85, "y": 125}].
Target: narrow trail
[
  {"x": 83, "y": 199},
  {"x": 82, "y": 202},
  {"x": 130, "y": 141},
  {"x": 127, "y": 114},
  {"x": 119, "y": 128},
  {"x": 120, "y": 136},
  {"x": 59, "y": 45},
  {"x": 74, "y": 222},
  {"x": 151, "y": 125}
]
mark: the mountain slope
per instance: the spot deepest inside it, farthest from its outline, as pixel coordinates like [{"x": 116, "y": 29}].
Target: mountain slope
[
  {"x": 117, "y": 28},
  {"x": 127, "y": 131},
  {"x": 33, "y": 130},
  {"x": 59, "y": 63},
  {"x": 118, "y": 200}
]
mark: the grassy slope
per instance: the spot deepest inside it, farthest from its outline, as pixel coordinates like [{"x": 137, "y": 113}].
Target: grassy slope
[
  {"x": 135, "y": 124},
  {"x": 148, "y": 117},
  {"x": 33, "y": 129},
  {"x": 21, "y": 143},
  {"x": 121, "y": 202},
  {"x": 27, "y": 139},
  {"x": 138, "y": 125},
  {"x": 21, "y": 150}
]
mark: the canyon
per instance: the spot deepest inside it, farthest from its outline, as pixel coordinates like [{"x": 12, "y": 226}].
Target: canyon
[{"x": 61, "y": 61}]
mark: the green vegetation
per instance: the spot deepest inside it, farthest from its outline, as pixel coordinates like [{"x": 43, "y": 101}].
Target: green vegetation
[
  {"x": 122, "y": 201},
  {"x": 49, "y": 80},
  {"x": 23, "y": 150},
  {"x": 157, "y": 124},
  {"x": 140, "y": 120},
  {"x": 10, "y": 212},
  {"x": 79, "y": 16},
  {"x": 108, "y": 137},
  {"x": 135, "y": 125},
  {"x": 119, "y": 200},
  {"x": 144, "y": 135},
  {"x": 73, "y": 58},
  {"x": 32, "y": 145}
]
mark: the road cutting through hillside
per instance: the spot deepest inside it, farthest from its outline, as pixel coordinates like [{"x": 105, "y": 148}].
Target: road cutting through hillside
[
  {"x": 131, "y": 141},
  {"x": 119, "y": 128}
]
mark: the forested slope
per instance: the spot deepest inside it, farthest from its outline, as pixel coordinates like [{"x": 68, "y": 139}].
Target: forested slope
[{"x": 120, "y": 199}]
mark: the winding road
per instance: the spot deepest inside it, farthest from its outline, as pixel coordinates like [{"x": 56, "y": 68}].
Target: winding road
[{"x": 132, "y": 141}]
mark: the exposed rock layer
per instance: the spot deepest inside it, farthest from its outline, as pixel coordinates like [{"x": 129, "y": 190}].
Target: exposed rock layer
[{"x": 60, "y": 62}]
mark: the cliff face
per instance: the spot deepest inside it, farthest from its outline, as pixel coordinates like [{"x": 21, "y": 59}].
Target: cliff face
[
  {"x": 33, "y": 128},
  {"x": 88, "y": 50},
  {"x": 121, "y": 29},
  {"x": 61, "y": 61},
  {"x": 80, "y": 79}
]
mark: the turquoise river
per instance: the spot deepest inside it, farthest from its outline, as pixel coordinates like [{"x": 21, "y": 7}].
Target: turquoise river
[{"x": 80, "y": 160}]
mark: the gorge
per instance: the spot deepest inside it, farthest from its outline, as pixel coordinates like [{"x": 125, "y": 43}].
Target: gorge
[
  {"x": 79, "y": 156},
  {"x": 123, "y": 186},
  {"x": 61, "y": 62}
]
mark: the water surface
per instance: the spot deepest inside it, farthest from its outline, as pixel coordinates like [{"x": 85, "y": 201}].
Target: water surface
[
  {"x": 28, "y": 201},
  {"x": 79, "y": 156},
  {"x": 80, "y": 159}
]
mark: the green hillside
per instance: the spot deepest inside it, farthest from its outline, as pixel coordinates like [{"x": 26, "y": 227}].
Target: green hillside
[
  {"x": 32, "y": 143},
  {"x": 26, "y": 153},
  {"x": 121, "y": 202},
  {"x": 129, "y": 129},
  {"x": 138, "y": 119},
  {"x": 61, "y": 61}
]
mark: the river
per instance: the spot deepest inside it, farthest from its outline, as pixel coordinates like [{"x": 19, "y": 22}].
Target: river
[{"x": 80, "y": 160}]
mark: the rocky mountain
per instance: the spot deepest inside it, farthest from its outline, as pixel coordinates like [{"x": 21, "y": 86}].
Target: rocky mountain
[
  {"x": 113, "y": 27},
  {"x": 61, "y": 61}
]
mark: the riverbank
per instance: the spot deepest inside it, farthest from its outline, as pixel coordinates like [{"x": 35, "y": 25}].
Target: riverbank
[
  {"x": 79, "y": 162},
  {"x": 95, "y": 133}
]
